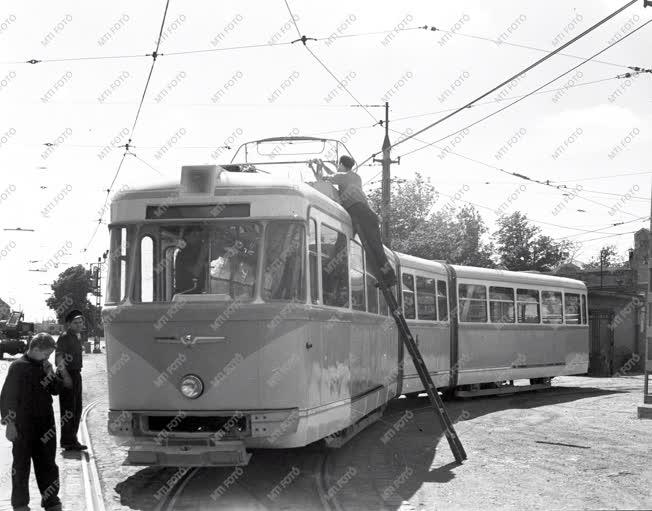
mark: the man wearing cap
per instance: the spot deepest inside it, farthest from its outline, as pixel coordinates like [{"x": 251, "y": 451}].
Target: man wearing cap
[
  {"x": 365, "y": 221},
  {"x": 69, "y": 365}
]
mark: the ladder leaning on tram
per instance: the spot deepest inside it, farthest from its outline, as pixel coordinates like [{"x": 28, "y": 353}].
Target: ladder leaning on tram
[{"x": 365, "y": 223}]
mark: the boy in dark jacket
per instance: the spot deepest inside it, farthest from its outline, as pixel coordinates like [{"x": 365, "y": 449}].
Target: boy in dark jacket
[{"x": 26, "y": 408}]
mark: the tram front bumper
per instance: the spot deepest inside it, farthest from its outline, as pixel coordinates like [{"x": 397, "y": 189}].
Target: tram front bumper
[{"x": 223, "y": 454}]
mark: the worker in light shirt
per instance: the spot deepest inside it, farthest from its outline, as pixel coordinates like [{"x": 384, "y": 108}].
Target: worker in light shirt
[{"x": 365, "y": 221}]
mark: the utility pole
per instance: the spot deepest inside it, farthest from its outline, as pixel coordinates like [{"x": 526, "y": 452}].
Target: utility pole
[
  {"x": 385, "y": 186},
  {"x": 645, "y": 411},
  {"x": 96, "y": 281}
]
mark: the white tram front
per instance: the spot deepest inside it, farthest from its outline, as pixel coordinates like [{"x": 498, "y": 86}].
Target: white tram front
[{"x": 240, "y": 314}]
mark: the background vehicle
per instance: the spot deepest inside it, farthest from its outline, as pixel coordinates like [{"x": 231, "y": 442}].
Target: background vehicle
[
  {"x": 14, "y": 334},
  {"x": 241, "y": 314}
]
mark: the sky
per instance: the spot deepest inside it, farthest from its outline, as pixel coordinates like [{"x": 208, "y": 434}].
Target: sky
[{"x": 205, "y": 93}]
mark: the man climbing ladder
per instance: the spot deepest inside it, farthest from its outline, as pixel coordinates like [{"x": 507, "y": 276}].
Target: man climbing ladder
[{"x": 365, "y": 223}]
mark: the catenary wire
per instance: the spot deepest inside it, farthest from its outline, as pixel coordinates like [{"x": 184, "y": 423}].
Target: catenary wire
[
  {"x": 517, "y": 100},
  {"x": 528, "y": 68},
  {"x": 133, "y": 129}
]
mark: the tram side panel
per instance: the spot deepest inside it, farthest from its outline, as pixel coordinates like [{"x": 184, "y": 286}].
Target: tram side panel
[{"x": 433, "y": 340}]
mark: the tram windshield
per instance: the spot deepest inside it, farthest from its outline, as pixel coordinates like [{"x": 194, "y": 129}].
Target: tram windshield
[{"x": 218, "y": 259}]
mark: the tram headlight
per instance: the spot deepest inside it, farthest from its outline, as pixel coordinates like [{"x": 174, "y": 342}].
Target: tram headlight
[{"x": 191, "y": 386}]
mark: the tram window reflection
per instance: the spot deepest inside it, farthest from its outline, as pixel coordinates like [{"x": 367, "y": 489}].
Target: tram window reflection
[
  {"x": 312, "y": 262},
  {"x": 372, "y": 290},
  {"x": 572, "y": 308},
  {"x": 473, "y": 303},
  {"x": 442, "y": 300},
  {"x": 190, "y": 262},
  {"x": 527, "y": 304},
  {"x": 284, "y": 269},
  {"x": 357, "y": 277},
  {"x": 426, "y": 292},
  {"x": 233, "y": 260},
  {"x": 552, "y": 312},
  {"x": 501, "y": 304},
  {"x": 334, "y": 267},
  {"x": 409, "y": 309},
  {"x": 116, "y": 288}
]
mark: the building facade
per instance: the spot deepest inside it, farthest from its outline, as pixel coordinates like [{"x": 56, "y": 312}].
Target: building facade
[{"x": 617, "y": 311}]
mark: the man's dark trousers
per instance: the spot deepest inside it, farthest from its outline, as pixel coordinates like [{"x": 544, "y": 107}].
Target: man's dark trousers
[
  {"x": 70, "y": 407},
  {"x": 37, "y": 441},
  {"x": 365, "y": 221}
]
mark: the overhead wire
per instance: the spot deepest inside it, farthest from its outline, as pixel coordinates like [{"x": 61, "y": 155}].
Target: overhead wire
[
  {"x": 133, "y": 128},
  {"x": 499, "y": 100},
  {"x": 562, "y": 188},
  {"x": 304, "y": 39},
  {"x": 528, "y": 68},
  {"x": 517, "y": 45},
  {"x": 517, "y": 100}
]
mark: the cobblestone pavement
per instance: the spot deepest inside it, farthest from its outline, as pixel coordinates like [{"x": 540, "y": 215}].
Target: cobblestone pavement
[{"x": 578, "y": 445}]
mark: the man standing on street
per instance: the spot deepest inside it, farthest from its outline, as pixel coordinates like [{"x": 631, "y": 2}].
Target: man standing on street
[
  {"x": 26, "y": 408},
  {"x": 69, "y": 365}
]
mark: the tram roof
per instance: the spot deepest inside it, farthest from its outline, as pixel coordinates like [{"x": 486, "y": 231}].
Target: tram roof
[
  {"x": 240, "y": 185},
  {"x": 517, "y": 277},
  {"x": 490, "y": 274}
]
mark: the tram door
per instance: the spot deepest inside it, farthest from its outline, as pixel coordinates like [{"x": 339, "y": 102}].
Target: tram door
[{"x": 602, "y": 343}]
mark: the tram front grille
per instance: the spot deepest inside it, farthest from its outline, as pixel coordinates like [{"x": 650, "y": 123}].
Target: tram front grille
[{"x": 225, "y": 426}]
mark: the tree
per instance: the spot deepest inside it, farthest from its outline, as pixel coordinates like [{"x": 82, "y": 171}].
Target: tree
[
  {"x": 470, "y": 250},
  {"x": 521, "y": 246},
  {"x": 411, "y": 204},
  {"x": 610, "y": 259},
  {"x": 451, "y": 235},
  {"x": 69, "y": 292}
]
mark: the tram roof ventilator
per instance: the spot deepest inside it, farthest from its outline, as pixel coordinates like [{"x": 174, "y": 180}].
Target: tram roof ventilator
[{"x": 201, "y": 179}]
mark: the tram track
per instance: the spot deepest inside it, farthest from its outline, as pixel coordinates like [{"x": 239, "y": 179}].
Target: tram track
[
  {"x": 175, "y": 493},
  {"x": 94, "y": 499},
  {"x": 321, "y": 478}
]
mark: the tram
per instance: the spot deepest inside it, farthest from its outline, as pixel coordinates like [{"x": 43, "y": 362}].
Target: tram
[{"x": 241, "y": 314}]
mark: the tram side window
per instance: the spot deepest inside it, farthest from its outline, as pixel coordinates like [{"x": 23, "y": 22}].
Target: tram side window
[
  {"x": 116, "y": 285},
  {"x": 334, "y": 267},
  {"x": 442, "y": 300},
  {"x": 501, "y": 304},
  {"x": 585, "y": 317},
  {"x": 357, "y": 278},
  {"x": 473, "y": 303},
  {"x": 283, "y": 278},
  {"x": 146, "y": 269},
  {"x": 527, "y": 304},
  {"x": 426, "y": 296},
  {"x": 572, "y": 309},
  {"x": 372, "y": 290},
  {"x": 408, "y": 296},
  {"x": 312, "y": 263},
  {"x": 552, "y": 312}
]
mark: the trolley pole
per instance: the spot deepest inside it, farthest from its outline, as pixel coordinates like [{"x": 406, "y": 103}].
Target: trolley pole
[{"x": 386, "y": 180}]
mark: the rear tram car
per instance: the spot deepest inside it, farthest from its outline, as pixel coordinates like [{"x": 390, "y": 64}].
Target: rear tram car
[{"x": 241, "y": 314}]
